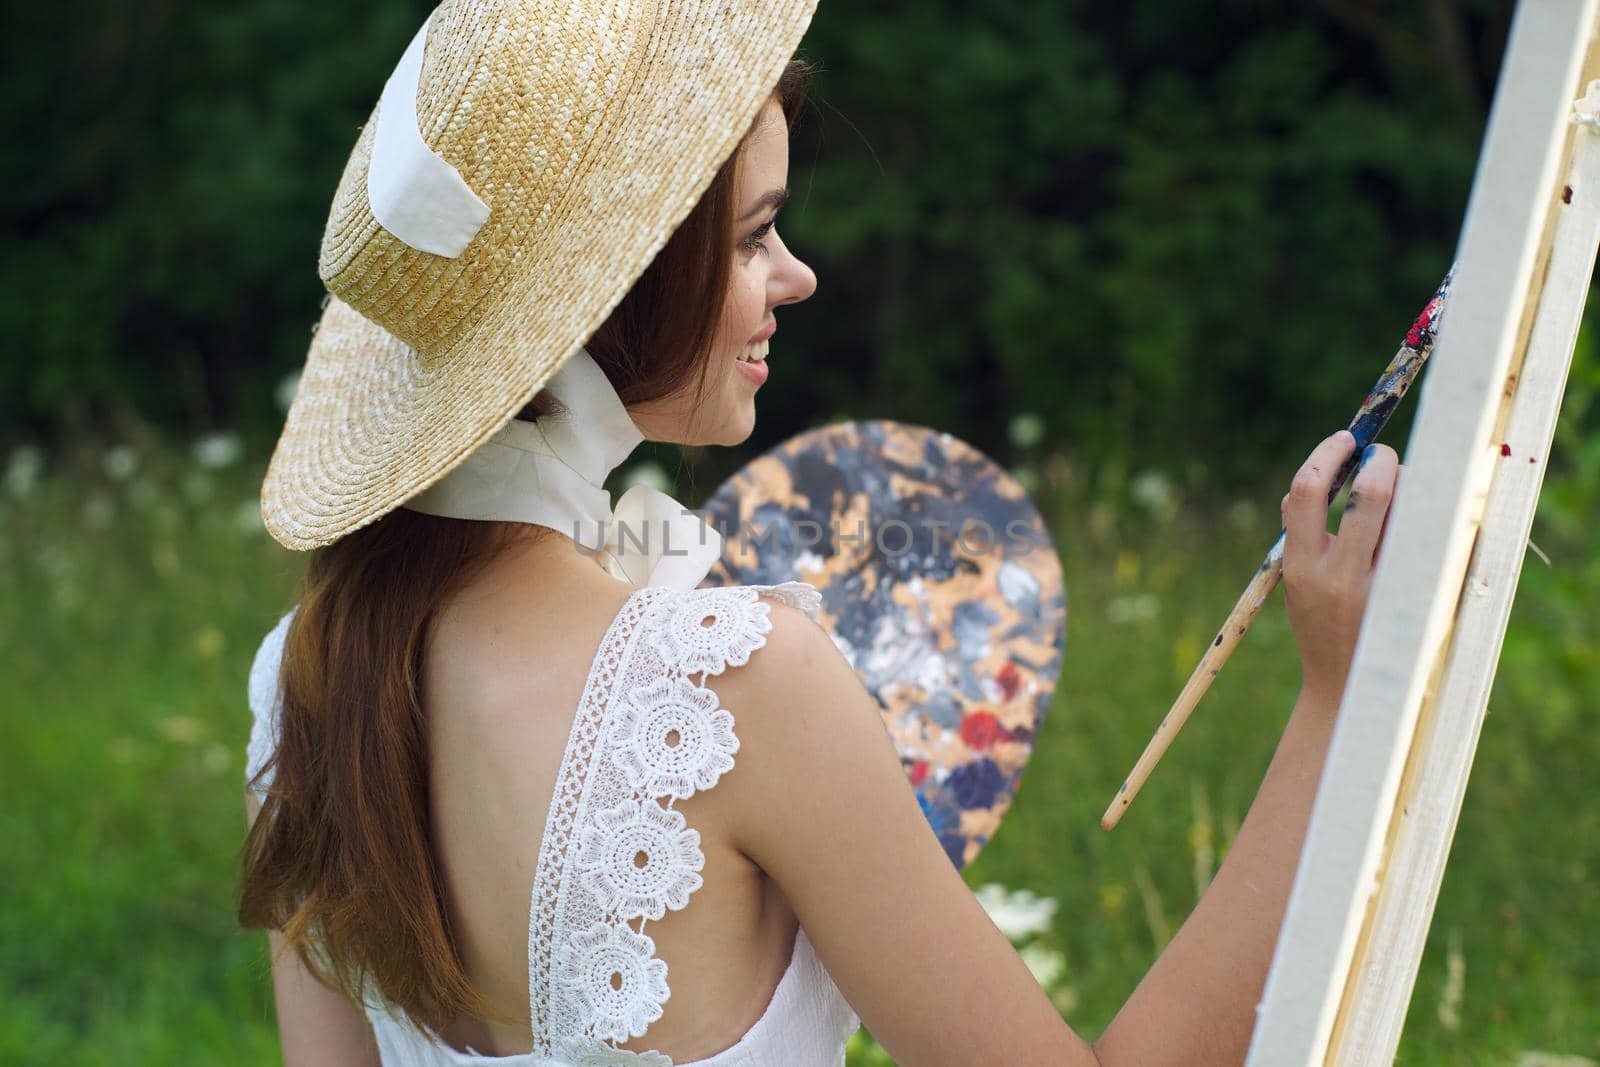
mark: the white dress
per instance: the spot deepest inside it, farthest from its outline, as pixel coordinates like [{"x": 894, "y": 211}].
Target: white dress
[{"x": 613, "y": 798}]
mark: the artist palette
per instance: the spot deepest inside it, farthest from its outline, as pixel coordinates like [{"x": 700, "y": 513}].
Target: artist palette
[{"x": 940, "y": 584}]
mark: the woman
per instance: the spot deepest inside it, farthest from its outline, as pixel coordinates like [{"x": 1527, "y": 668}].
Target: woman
[{"x": 490, "y": 751}]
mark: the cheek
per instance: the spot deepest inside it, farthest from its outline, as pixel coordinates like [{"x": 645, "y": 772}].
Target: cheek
[{"x": 746, "y": 307}]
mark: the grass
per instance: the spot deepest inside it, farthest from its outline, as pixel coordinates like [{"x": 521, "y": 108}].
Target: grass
[{"x": 138, "y": 585}]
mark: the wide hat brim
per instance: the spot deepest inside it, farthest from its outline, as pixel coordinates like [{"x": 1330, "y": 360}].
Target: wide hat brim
[{"x": 374, "y": 421}]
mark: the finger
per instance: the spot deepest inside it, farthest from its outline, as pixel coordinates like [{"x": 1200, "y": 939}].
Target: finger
[
  {"x": 1399, "y": 473},
  {"x": 1371, "y": 490},
  {"x": 1305, "y": 509}
]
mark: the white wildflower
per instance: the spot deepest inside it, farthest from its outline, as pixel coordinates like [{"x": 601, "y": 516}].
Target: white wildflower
[
  {"x": 1455, "y": 984},
  {"x": 1026, "y": 429},
  {"x": 217, "y": 450},
  {"x": 119, "y": 462},
  {"x": 1135, "y": 607},
  {"x": 1065, "y": 998},
  {"x": 1019, "y": 914},
  {"x": 216, "y": 758},
  {"x": 184, "y": 729},
  {"x": 1153, "y": 491},
  {"x": 1242, "y": 514},
  {"x": 647, "y": 473},
  {"x": 283, "y": 392},
  {"x": 55, "y": 560},
  {"x": 98, "y": 511},
  {"x": 1047, "y": 964},
  {"x": 1027, "y": 477},
  {"x": 23, "y": 469},
  {"x": 247, "y": 517}
]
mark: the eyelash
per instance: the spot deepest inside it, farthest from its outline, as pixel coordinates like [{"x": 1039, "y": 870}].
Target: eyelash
[{"x": 753, "y": 243}]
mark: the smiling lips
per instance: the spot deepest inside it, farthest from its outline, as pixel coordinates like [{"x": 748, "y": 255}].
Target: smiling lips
[{"x": 753, "y": 361}]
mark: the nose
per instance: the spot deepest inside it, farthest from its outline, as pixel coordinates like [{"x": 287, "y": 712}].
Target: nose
[{"x": 791, "y": 280}]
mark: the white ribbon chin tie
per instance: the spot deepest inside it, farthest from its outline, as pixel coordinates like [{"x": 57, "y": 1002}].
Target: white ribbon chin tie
[{"x": 552, "y": 473}]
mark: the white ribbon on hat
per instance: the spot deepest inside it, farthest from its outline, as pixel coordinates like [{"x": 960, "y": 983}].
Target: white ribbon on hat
[
  {"x": 415, "y": 194},
  {"x": 552, "y": 473}
]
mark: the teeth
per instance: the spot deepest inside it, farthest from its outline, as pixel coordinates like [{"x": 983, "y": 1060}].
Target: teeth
[{"x": 755, "y": 352}]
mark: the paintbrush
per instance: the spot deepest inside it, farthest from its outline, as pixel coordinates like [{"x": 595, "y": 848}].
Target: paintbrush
[{"x": 1369, "y": 420}]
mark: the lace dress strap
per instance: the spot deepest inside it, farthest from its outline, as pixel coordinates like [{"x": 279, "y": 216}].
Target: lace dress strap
[{"x": 646, "y": 735}]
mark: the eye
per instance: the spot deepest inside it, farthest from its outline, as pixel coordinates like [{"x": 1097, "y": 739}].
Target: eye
[{"x": 754, "y": 243}]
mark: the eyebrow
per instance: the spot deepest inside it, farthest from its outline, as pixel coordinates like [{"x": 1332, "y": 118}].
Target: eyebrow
[{"x": 773, "y": 198}]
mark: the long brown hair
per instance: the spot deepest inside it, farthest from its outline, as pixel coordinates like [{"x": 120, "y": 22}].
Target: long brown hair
[{"x": 340, "y": 857}]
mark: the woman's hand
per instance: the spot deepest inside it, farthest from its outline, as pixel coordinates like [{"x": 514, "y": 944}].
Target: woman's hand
[{"x": 1326, "y": 578}]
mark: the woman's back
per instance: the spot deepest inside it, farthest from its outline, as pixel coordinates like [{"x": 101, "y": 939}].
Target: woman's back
[
  {"x": 520, "y": 714},
  {"x": 500, "y": 689}
]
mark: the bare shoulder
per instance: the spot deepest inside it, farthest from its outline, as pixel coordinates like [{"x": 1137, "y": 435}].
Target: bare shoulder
[
  {"x": 810, "y": 732},
  {"x": 818, "y": 800},
  {"x": 798, "y": 702}
]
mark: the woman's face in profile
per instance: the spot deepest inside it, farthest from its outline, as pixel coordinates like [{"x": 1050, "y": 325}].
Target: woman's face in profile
[{"x": 762, "y": 275}]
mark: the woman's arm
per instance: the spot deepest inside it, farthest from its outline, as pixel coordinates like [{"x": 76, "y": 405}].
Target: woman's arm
[
  {"x": 317, "y": 1026},
  {"x": 820, "y": 802},
  {"x": 1197, "y": 1003}
]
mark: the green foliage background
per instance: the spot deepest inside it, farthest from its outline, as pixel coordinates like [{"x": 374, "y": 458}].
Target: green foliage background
[
  {"x": 1184, "y": 236},
  {"x": 1180, "y": 232}
]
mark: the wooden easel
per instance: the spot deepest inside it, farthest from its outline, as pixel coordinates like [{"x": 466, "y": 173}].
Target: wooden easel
[{"x": 1386, "y": 810}]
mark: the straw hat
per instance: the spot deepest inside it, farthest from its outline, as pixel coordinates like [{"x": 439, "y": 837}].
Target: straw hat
[{"x": 553, "y": 150}]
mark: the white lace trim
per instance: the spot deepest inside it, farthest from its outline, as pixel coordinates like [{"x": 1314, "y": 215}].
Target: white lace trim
[
  {"x": 706, "y": 630},
  {"x": 644, "y": 733},
  {"x": 609, "y": 859},
  {"x": 619, "y": 983},
  {"x": 671, "y": 738}
]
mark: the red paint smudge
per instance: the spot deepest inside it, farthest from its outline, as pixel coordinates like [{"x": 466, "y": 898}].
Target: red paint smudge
[
  {"x": 980, "y": 730},
  {"x": 1424, "y": 320},
  {"x": 1010, "y": 680},
  {"x": 1505, "y": 450}
]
